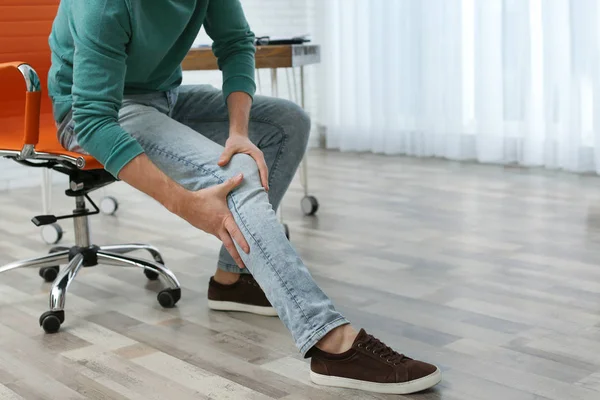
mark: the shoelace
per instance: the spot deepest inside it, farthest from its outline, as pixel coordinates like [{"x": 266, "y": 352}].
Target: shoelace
[{"x": 385, "y": 352}]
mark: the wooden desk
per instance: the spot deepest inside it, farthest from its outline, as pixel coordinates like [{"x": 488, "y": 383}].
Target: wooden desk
[{"x": 284, "y": 56}]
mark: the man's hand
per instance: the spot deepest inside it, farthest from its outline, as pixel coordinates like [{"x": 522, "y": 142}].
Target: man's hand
[
  {"x": 207, "y": 209},
  {"x": 241, "y": 144},
  {"x": 238, "y": 104}
]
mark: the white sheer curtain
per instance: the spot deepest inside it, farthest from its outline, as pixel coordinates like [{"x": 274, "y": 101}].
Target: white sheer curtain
[{"x": 499, "y": 81}]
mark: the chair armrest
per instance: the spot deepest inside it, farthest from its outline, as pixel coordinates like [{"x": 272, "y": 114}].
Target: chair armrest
[{"x": 33, "y": 99}]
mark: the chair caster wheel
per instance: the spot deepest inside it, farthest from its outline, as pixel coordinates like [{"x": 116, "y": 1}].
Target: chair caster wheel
[
  {"x": 49, "y": 273},
  {"x": 169, "y": 297},
  {"x": 287, "y": 231},
  {"x": 151, "y": 275},
  {"x": 51, "y": 234},
  {"x": 109, "y": 205},
  {"x": 50, "y": 321},
  {"x": 309, "y": 205}
]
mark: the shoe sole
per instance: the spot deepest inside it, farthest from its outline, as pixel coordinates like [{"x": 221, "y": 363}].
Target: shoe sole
[
  {"x": 409, "y": 387},
  {"x": 239, "y": 307}
]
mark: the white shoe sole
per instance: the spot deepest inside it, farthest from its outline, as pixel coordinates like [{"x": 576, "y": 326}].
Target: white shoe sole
[
  {"x": 239, "y": 307},
  {"x": 417, "y": 385}
]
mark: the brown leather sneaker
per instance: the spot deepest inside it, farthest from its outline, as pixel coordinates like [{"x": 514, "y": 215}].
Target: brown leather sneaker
[
  {"x": 372, "y": 366},
  {"x": 244, "y": 295}
]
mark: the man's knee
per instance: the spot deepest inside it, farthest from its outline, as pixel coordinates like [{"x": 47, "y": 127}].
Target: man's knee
[
  {"x": 296, "y": 121},
  {"x": 244, "y": 164}
]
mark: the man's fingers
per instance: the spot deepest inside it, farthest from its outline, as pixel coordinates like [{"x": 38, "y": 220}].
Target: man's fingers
[
  {"x": 262, "y": 169},
  {"x": 228, "y": 243},
  {"x": 231, "y": 183},
  {"x": 236, "y": 234},
  {"x": 226, "y": 156}
]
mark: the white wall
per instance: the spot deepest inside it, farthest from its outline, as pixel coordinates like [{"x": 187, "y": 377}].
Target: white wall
[{"x": 267, "y": 18}]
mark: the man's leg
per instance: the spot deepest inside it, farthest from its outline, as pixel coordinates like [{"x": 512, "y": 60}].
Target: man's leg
[
  {"x": 280, "y": 129},
  {"x": 340, "y": 356},
  {"x": 191, "y": 159}
]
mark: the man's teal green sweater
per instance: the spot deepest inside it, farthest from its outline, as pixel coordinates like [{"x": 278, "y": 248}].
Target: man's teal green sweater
[{"x": 103, "y": 49}]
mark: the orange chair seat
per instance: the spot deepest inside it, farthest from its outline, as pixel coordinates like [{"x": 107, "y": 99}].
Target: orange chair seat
[{"x": 12, "y": 134}]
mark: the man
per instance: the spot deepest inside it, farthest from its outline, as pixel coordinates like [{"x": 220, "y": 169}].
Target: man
[{"x": 221, "y": 160}]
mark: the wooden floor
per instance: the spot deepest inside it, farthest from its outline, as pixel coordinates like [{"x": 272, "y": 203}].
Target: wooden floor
[{"x": 492, "y": 273}]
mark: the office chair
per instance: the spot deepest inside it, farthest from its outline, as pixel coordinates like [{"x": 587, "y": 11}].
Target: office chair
[{"x": 24, "y": 29}]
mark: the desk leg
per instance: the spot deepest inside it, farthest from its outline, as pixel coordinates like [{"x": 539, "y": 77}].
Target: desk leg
[
  {"x": 274, "y": 88},
  {"x": 259, "y": 85},
  {"x": 309, "y": 204}
]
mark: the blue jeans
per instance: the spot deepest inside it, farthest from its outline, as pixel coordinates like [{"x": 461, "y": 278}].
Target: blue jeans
[{"x": 183, "y": 133}]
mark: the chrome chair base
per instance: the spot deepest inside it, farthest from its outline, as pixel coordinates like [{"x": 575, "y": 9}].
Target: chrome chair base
[
  {"x": 78, "y": 257},
  {"x": 85, "y": 254}
]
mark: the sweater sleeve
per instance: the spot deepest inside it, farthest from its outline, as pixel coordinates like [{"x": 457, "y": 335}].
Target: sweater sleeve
[
  {"x": 101, "y": 30},
  {"x": 233, "y": 45}
]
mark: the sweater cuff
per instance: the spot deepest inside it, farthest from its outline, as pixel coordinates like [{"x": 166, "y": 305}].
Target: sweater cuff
[
  {"x": 122, "y": 155},
  {"x": 238, "y": 84}
]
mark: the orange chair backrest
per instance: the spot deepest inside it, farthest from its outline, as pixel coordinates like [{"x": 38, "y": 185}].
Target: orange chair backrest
[{"x": 25, "y": 26}]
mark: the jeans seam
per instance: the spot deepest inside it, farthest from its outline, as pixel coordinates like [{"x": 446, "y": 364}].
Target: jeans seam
[
  {"x": 186, "y": 121},
  {"x": 278, "y": 157},
  {"x": 166, "y": 153},
  {"x": 280, "y": 128},
  {"x": 155, "y": 147},
  {"x": 266, "y": 255}
]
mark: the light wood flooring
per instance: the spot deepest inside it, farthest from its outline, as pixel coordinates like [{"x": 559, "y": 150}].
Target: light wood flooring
[{"x": 492, "y": 273}]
